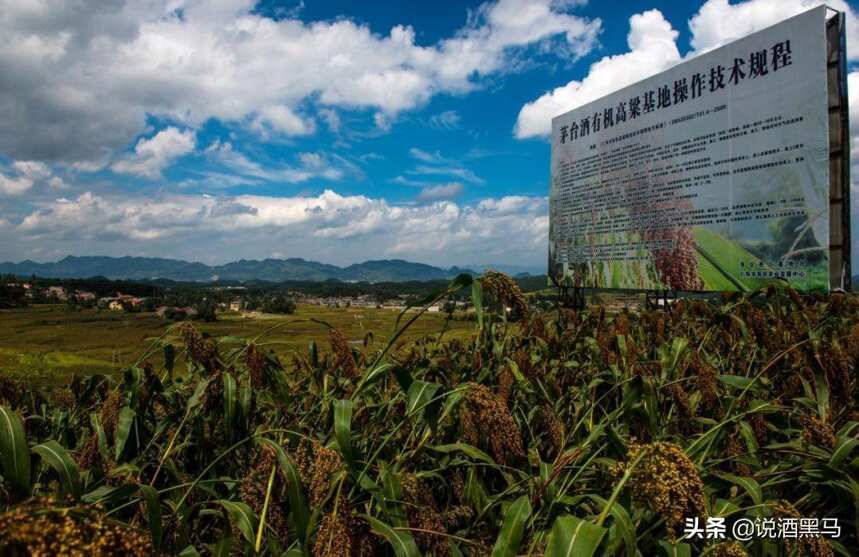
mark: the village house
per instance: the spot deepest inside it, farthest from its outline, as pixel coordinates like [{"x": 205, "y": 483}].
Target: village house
[
  {"x": 237, "y": 305},
  {"x": 58, "y": 292},
  {"x": 84, "y": 296},
  {"x": 120, "y": 302},
  {"x": 165, "y": 312}
]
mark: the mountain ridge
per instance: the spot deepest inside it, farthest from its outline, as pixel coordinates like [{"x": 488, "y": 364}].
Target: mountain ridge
[{"x": 269, "y": 269}]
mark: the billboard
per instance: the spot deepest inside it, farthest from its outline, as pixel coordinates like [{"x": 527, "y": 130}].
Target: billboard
[{"x": 712, "y": 175}]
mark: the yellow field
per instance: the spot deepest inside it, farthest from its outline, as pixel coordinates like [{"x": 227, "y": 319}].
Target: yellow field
[{"x": 49, "y": 343}]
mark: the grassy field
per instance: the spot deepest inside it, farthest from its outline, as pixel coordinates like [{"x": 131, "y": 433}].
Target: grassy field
[{"x": 49, "y": 343}]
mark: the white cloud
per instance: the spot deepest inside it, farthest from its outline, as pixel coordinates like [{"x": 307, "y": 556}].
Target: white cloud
[
  {"x": 153, "y": 155},
  {"x": 719, "y": 22},
  {"x": 310, "y": 165},
  {"x": 281, "y": 119},
  {"x": 78, "y": 84},
  {"x": 331, "y": 118},
  {"x": 382, "y": 121},
  {"x": 446, "y": 120},
  {"x": 426, "y": 156},
  {"x": 651, "y": 50},
  {"x": 14, "y": 186},
  {"x": 441, "y": 192},
  {"x": 435, "y": 164},
  {"x": 28, "y": 174},
  {"x": 452, "y": 171},
  {"x": 330, "y": 227},
  {"x": 57, "y": 183},
  {"x": 403, "y": 181},
  {"x": 32, "y": 169}
]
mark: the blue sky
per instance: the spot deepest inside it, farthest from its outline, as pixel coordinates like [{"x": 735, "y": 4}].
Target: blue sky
[{"x": 336, "y": 131}]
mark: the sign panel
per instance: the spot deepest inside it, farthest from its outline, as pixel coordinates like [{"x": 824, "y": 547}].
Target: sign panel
[{"x": 712, "y": 175}]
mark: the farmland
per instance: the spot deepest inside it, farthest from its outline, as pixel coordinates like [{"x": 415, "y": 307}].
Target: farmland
[
  {"x": 47, "y": 344},
  {"x": 567, "y": 433}
]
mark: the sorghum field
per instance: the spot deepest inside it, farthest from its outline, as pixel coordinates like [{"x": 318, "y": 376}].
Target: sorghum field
[{"x": 566, "y": 433}]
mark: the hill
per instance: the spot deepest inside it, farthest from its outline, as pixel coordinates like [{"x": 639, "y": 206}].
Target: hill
[{"x": 275, "y": 270}]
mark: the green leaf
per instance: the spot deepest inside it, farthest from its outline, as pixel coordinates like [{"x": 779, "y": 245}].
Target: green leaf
[
  {"x": 842, "y": 450},
  {"x": 109, "y": 496},
  {"x": 123, "y": 428},
  {"x": 749, "y": 436},
  {"x": 343, "y": 427},
  {"x": 402, "y": 542},
  {"x": 420, "y": 393},
  {"x": 224, "y": 547},
  {"x": 314, "y": 355},
  {"x": 102, "y": 438},
  {"x": 294, "y": 490},
  {"x": 189, "y": 551},
  {"x": 676, "y": 549},
  {"x": 512, "y": 528},
  {"x": 246, "y": 399},
  {"x": 199, "y": 391},
  {"x": 477, "y": 301},
  {"x": 737, "y": 381},
  {"x": 460, "y": 281},
  {"x": 14, "y": 456},
  {"x": 242, "y": 517},
  {"x": 723, "y": 507},
  {"x": 393, "y": 491},
  {"x": 57, "y": 457},
  {"x": 404, "y": 378},
  {"x": 573, "y": 537},
  {"x": 622, "y": 523},
  {"x": 748, "y": 484},
  {"x": 469, "y": 450},
  {"x": 169, "y": 359},
  {"x": 230, "y": 401},
  {"x": 822, "y": 391},
  {"x": 374, "y": 373},
  {"x": 153, "y": 513},
  {"x": 231, "y": 339}
]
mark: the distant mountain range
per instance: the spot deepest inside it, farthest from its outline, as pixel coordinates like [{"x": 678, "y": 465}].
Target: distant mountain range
[{"x": 275, "y": 270}]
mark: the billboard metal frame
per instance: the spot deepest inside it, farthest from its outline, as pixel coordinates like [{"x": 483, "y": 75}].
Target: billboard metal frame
[{"x": 840, "y": 265}]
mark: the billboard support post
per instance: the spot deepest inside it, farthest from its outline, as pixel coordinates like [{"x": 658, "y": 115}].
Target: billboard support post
[
  {"x": 572, "y": 297},
  {"x": 660, "y": 299},
  {"x": 839, "y": 152}
]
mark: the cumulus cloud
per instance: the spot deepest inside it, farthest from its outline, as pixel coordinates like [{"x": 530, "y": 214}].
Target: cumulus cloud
[
  {"x": 330, "y": 226},
  {"x": 25, "y": 174},
  {"x": 651, "y": 50},
  {"x": 78, "y": 84},
  {"x": 719, "y": 22},
  {"x": 153, "y": 155},
  {"x": 14, "y": 186},
  {"x": 33, "y": 170},
  {"x": 441, "y": 192},
  {"x": 281, "y": 120}
]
